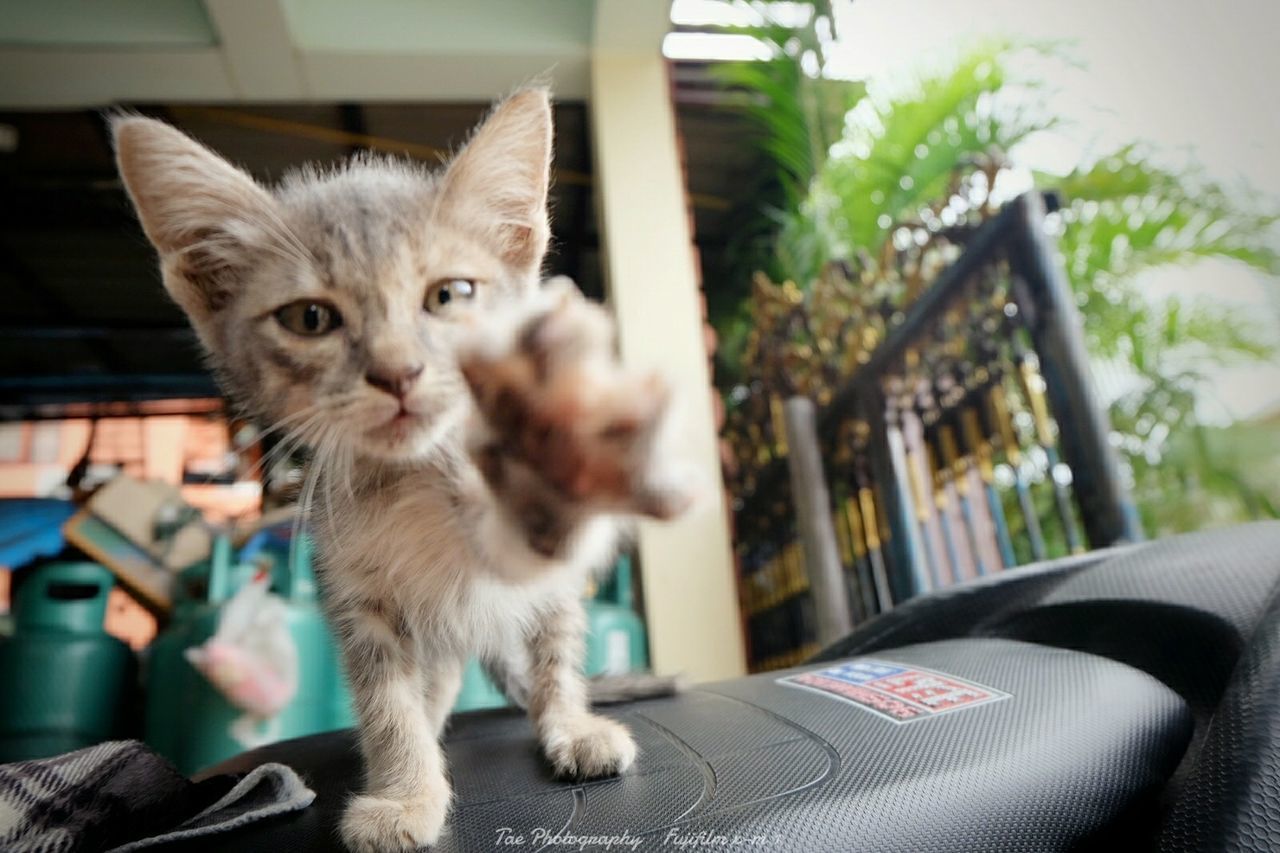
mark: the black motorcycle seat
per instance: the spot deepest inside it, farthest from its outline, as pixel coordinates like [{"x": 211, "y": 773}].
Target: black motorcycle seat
[
  {"x": 1092, "y": 702},
  {"x": 1063, "y": 744}
]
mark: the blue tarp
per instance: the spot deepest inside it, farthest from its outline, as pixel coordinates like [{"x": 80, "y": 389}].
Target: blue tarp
[{"x": 31, "y": 528}]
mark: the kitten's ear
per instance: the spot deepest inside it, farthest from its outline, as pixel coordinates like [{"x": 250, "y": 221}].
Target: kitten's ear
[
  {"x": 206, "y": 218},
  {"x": 497, "y": 185}
]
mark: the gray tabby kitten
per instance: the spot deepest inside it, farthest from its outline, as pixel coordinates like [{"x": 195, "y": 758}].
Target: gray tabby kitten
[{"x": 477, "y": 445}]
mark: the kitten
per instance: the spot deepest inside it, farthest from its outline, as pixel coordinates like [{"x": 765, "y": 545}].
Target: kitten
[{"x": 476, "y": 444}]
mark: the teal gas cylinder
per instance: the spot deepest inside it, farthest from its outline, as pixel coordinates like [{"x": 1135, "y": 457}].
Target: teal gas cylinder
[
  {"x": 187, "y": 720},
  {"x": 477, "y": 691},
  {"x": 616, "y": 641},
  {"x": 66, "y": 682}
]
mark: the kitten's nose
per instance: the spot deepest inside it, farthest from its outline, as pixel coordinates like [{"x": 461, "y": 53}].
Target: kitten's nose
[{"x": 396, "y": 381}]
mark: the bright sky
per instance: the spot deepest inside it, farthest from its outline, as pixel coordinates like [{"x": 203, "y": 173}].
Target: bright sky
[
  {"x": 1189, "y": 75},
  {"x": 1198, "y": 80}
]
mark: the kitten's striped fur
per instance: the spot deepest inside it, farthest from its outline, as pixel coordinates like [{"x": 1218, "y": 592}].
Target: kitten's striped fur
[{"x": 473, "y": 464}]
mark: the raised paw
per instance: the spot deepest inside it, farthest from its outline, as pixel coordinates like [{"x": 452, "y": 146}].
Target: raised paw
[
  {"x": 379, "y": 825},
  {"x": 558, "y": 406},
  {"x": 589, "y": 747}
]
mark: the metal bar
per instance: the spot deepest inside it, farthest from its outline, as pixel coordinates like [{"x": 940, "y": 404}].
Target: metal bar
[
  {"x": 1013, "y": 455},
  {"x": 948, "y": 536},
  {"x": 38, "y": 390},
  {"x": 1031, "y": 382},
  {"x": 1034, "y": 533},
  {"x": 113, "y": 409},
  {"x": 813, "y": 521},
  {"x": 920, "y": 499},
  {"x": 867, "y": 520},
  {"x": 37, "y": 331},
  {"x": 960, "y": 476},
  {"x": 996, "y": 508},
  {"x": 867, "y": 503},
  {"x": 918, "y": 560},
  {"x": 940, "y": 502},
  {"x": 1057, "y": 332},
  {"x": 898, "y": 548},
  {"x": 848, "y": 560},
  {"x": 980, "y": 447},
  {"x": 49, "y": 397},
  {"x": 862, "y": 566}
]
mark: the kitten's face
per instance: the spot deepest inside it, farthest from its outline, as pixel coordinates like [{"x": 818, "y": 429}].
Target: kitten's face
[
  {"x": 332, "y": 306},
  {"x": 349, "y": 335}
]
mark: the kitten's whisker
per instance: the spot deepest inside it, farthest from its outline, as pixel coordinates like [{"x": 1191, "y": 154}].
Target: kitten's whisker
[
  {"x": 322, "y": 460},
  {"x": 290, "y": 442},
  {"x": 318, "y": 406},
  {"x": 348, "y": 470},
  {"x": 296, "y": 438},
  {"x": 302, "y": 516},
  {"x": 287, "y": 419},
  {"x": 295, "y": 435}
]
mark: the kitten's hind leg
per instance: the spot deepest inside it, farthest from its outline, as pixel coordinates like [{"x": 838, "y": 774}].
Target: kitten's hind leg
[
  {"x": 579, "y": 744},
  {"x": 406, "y": 796}
]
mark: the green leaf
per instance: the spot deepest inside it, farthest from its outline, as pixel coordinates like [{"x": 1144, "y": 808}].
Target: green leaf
[{"x": 900, "y": 152}]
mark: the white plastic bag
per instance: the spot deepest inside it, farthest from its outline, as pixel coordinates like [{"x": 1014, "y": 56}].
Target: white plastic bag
[{"x": 252, "y": 660}]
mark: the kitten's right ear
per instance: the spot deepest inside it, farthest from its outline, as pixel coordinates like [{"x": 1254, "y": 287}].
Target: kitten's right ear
[
  {"x": 497, "y": 185},
  {"x": 206, "y": 218}
]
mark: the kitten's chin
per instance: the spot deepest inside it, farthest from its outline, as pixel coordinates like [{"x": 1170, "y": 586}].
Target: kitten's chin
[{"x": 405, "y": 438}]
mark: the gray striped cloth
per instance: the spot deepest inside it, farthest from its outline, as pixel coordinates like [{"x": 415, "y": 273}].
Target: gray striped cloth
[{"x": 121, "y": 796}]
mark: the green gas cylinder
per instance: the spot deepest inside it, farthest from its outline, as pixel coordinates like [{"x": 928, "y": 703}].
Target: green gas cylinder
[
  {"x": 616, "y": 641},
  {"x": 66, "y": 682},
  {"x": 187, "y": 720},
  {"x": 477, "y": 691}
]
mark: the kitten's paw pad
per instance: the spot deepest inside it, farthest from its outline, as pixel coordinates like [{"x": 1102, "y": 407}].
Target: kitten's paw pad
[
  {"x": 559, "y": 404},
  {"x": 379, "y": 825},
  {"x": 590, "y": 748}
]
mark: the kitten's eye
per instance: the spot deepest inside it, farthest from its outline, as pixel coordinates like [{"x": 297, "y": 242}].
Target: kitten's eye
[
  {"x": 444, "y": 294},
  {"x": 310, "y": 319}
]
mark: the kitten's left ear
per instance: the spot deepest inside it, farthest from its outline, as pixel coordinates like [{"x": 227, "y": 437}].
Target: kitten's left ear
[
  {"x": 206, "y": 218},
  {"x": 497, "y": 185}
]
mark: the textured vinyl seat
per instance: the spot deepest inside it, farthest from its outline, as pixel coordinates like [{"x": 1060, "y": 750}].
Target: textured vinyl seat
[{"x": 1124, "y": 697}]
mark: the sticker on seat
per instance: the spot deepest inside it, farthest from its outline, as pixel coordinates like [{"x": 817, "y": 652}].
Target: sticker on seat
[{"x": 894, "y": 691}]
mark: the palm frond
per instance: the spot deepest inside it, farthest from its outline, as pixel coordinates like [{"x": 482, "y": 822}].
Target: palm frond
[
  {"x": 1123, "y": 216},
  {"x": 900, "y": 152}
]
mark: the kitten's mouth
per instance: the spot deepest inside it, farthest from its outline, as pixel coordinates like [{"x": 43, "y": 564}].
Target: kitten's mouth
[{"x": 399, "y": 426}]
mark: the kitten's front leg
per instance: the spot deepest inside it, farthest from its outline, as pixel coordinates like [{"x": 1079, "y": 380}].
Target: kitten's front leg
[
  {"x": 579, "y": 744},
  {"x": 402, "y": 701},
  {"x": 566, "y": 435}
]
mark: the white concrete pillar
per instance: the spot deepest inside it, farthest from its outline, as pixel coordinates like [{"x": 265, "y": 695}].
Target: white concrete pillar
[{"x": 690, "y": 592}]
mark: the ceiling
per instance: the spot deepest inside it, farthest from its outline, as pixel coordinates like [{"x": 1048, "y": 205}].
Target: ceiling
[
  {"x": 85, "y": 317},
  {"x": 73, "y": 53}
]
